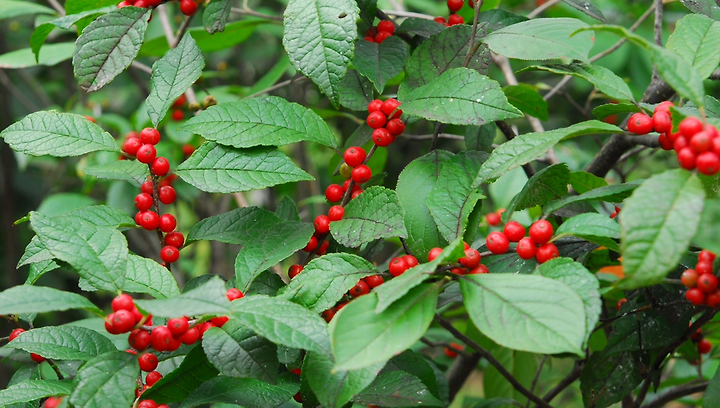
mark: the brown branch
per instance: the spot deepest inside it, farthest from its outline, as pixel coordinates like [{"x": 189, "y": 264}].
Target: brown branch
[
  {"x": 458, "y": 373},
  {"x": 675, "y": 393},
  {"x": 569, "y": 379},
  {"x": 509, "y": 135}
]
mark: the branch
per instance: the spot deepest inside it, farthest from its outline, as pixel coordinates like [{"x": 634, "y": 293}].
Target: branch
[
  {"x": 542, "y": 8},
  {"x": 675, "y": 393},
  {"x": 510, "y": 134},
  {"x": 410, "y": 14},
  {"x": 57, "y": 7},
  {"x": 471, "y": 46},
  {"x": 250, "y": 12},
  {"x": 569, "y": 379},
  {"x": 460, "y": 371}
]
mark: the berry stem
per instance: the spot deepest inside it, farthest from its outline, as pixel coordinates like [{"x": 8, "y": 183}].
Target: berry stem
[{"x": 156, "y": 208}]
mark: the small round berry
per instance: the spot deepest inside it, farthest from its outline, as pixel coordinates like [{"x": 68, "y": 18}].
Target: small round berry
[
  {"x": 147, "y": 187},
  {"x": 234, "y": 293},
  {"x": 375, "y": 105},
  {"x": 168, "y": 223},
  {"x": 169, "y": 254},
  {"x": 707, "y": 163},
  {"x": 704, "y": 346},
  {"x": 374, "y": 281},
  {"x": 471, "y": 259},
  {"x": 160, "y": 337},
  {"x": 37, "y": 358},
  {"x": 140, "y": 3},
  {"x": 663, "y": 106},
  {"x": 323, "y": 247},
  {"x": 355, "y": 156},
  {"x": 160, "y": 166},
  {"x": 376, "y": 120},
  {"x": 336, "y": 212},
  {"x": 640, "y": 124},
  {"x": 188, "y": 7},
  {"x": 188, "y": 149},
  {"x": 620, "y": 304},
  {"x": 52, "y": 402},
  {"x": 149, "y": 220},
  {"x": 361, "y": 174},
  {"x": 180, "y": 101},
  {"x": 526, "y": 248},
  {"x": 706, "y": 256},
  {"x": 190, "y": 336},
  {"x": 696, "y": 296},
  {"x": 546, "y": 252},
  {"x": 204, "y": 327},
  {"x": 175, "y": 239},
  {"x": 434, "y": 253},
  {"x": 455, "y": 19},
  {"x": 680, "y": 143},
  {"x": 360, "y": 288},
  {"x": 152, "y": 377},
  {"x": 123, "y": 321},
  {"x": 382, "y": 137},
  {"x": 440, "y": 20},
  {"x": 334, "y": 193},
  {"x": 370, "y": 39},
  {"x": 703, "y": 267},
  {"x": 397, "y": 266},
  {"x": 662, "y": 122},
  {"x": 178, "y": 326},
  {"x": 123, "y": 302},
  {"x": 689, "y": 278},
  {"x": 356, "y": 193},
  {"x": 219, "y": 321},
  {"x": 396, "y": 127},
  {"x": 322, "y": 224},
  {"x": 713, "y": 299},
  {"x": 148, "y": 362},
  {"x": 139, "y": 339},
  {"x": 143, "y": 201},
  {"x": 177, "y": 114},
  {"x": 690, "y": 126},
  {"x": 167, "y": 195},
  {"x": 411, "y": 261},
  {"x": 382, "y": 36},
  {"x": 701, "y": 142},
  {"x": 686, "y": 158},
  {"x": 328, "y": 314},
  {"x": 146, "y": 153},
  {"x": 707, "y": 282},
  {"x": 390, "y": 106},
  {"x": 167, "y": 181},
  {"x": 541, "y": 231},
  {"x": 514, "y": 231},
  {"x": 150, "y": 136},
  {"x": 311, "y": 245},
  {"x": 15, "y": 333},
  {"x": 455, "y": 5},
  {"x": 387, "y": 26},
  {"x": 493, "y": 218},
  {"x": 131, "y": 146},
  {"x": 497, "y": 242},
  {"x": 665, "y": 143},
  {"x": 294, "y": 270},
  {"x": 479, "y": 270}
]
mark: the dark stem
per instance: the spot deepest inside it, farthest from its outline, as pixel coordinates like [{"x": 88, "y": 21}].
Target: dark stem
[
  {"x": 569, "y": 379},
  {"x": 436, "y": 132},
  {"x": 56, "y": 369},
  {"x": 509, "y": 135},
  {"x": 537, "y": 377},
  {"x": 471, "y": 46},
  {"x": 458, "y": 373},
  {"x": 675, "y": 393}
]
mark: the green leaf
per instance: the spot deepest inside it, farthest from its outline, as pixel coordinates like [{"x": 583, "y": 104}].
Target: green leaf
[
  {"x": 51, "y": 54},
  {"x": 249, "y": 392},
  {"x": 608, "y": 378},
  {"x": 215, "y": 15},
  {"x": 421, "y": 367},
  {"x": 39, "y": 269},
  {"x": 237, "y": 351},
  {"x": 39, "y": 299},
  {"x": 131, "y": 171},
  {"x": 238, "y": 226},
  {"x": 706, "y": 236},
  {"x": 215, "y": 168},
  {"x": 419, "y": 26},
  {"x": 35, "y": 252},
  {"x": 287, "y": 210},
  {"x": 655, "y": 237},
  {"x": 319, "y": 38},
  {"x": 78, "y": 6},
  {"x": 208, "y": 298},
  {"x": 32, "y": 390},
  {"x": 356, "y": 91},
  {"x": 453, "y": 198},
  {"x": 593, "y": 227},
  {"x": 391, "y": 291},
  {"x": 706, "y": 7},
  {"x": 234, "y": 34},
  {"x": 499, "y": 18},
  {"x": 582, "y": 181},
  {"x": 711, "y": 397},
  {"x": 268, "y": 121},
  {"x": 444, "y": 51},
  {"x": 527, "y": 99},
  {"x": 325, "y": 280},
  {"x": 99, "y": 254},
  {"x": 63, "y": 343},
  {"x": 145, "y": 275},
  {"x": 361, "y": 337},
  {"x": 460, "y": 96},
  {"x": 57, "y": 134},
  {"x": 542, "y": 39},
  {"x": 397, "y": 389},
  {"x": 335, "y": 388},
  {"x": 380, "y": 62},
  {"x": 374, "y": 214},
  {"x": 613, "y": 194},
  {"x": 180, "y": 383},
  {"x": 697, "y": 40},
  {"x": 12, "y": 9},
  {"x": 581, "y": 281},
  {"x": 545, "y": 185},
  {"x": 368, "y": 9},
  {"x": 588, "y": 8},
  {"x": 107, "y": 377},
  {"x": 604, "y": 79},
  {"x": 108, "y": 46},
  {"x": 526, "y": 312},
  {"x": 608, "y": 109},
  {"x": 283, "y": 322},
  {"x": 38, "y": 37},
  {"x": 172, "y": 75},
  {"x": 415, "y": 184},
  {"x": 102, "y": 216},
  {"x": 530, "y": 146}
]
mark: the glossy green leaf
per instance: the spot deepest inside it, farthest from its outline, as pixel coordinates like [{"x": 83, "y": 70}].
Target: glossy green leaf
[
  {"x": 35, "y": 252},
  {"x": 215, "y": 168},
  {"x": 706, "y": 236},
  {"x": 608, "y": 378},
  {"x": 655, "y": 237},
  {"x": 530, "y": 146},
  {"x": 380, "y": 62},
  {"x": 526, "y": 312},
  {"x": 145, "y": 275},
  {"x": 697, "y": 40},
  {"x": 78, "y": 6},
  {"x": 234, "y": 34},
  {"x": 374, "y": 214},
  {"x": 215, "y": 15},
  {"x": 542, "y": 39},
  {"x": 32, "y": 390},
  {"x": 460, "y": 96},
  {"x": 249, "y": 392},
  {"x": 594, "y": 227},
  {"x": 180, "y": 383},
  {"x": 172, "y": 75},
  {"x": 208, "y": 298},
  {"x": 283, "y": 322},
  {"x": 335, "y": 388},
  {"x": 108, "y": 46},
  {"x": 368, "y": 9},
  {"x": 287, "y": 210},
  {"x": 102, "y": 216},
  {"x": 612, "y": 194},
  {"x": 356, "y": 91},
  {"x": 397, "y": 389},
  {"x": 107, "y": 377},
  {"x": 237, "y": 351},
  {"x": 527, "y": 99},
  {"x": 419, "y": 26},
  {"x": 319, "y": 38},
  {"x": 588, "y": 8},
  {"x": 57, "y": 134},
  {"x": 268, "y": 121},
  {"x": 453, "y": 198},
  {"x": 545, "y": 185},
  {"x": 361, "y": 337},
  {"x": 582, "y": 181},
  {"x": 39, "y": 269},
  {"x": 38, "y": 37},
  {"x": 238, "y": 226},
  {"x": 63, "y": 343},
  {"x": 131, "y": 171},
  {"x": 12, "y": 8},
  {"x": 706, "y": 7},
  {"x": 499, "y": 18},
  {"x": 604, "y": 79},
  {"x": 711, "y": 397},
  {"x": 99, "y": 254},
  {"x": 608, "y": 109},
  {"x": 325, "y": 280},
  {"x": 423, "y": 368},
  {"x": 39, "y": 299},
  {"x": 51, "y": 54}
]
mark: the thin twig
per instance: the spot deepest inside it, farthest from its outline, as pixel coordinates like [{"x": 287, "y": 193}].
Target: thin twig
[
  {"x": 632, "y": 28},
  {"x": 471, "y": 44},
  {"x": 542, "y": 8},
  {"x": 141, "y": 67},
  {"x": 181, "y": 31},
  {"x": 57, "y": 7},
  {"x": 410, "y": 14},
  {"x": 17, "y": 93},
  {"x": 166, "y": 24},
  {"x": 429, "y": 136},
  {"x": 296, "y": 78},
  {"x": 433, "y": 143},
  {"x": 675, "y": 393},
  {"x": 657, "y": 31},
  {"x": 253, "y": 13},
  {"x": 565, "y": 382},
  {"x": 537, "y": 377}
]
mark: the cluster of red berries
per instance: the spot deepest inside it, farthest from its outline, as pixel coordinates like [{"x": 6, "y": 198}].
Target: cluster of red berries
[
  {"x": 381, "y": 32},
  {"x": 143, "y": 147},
  {"x": 697, "y": 145},
  {"x": 701, "y": 282},
  {"x": 384, "y": 117},
  {"x": 453, "y": 349},
  {"x": 535, "y": 245},
  {"x": 454, "y": 6},
  {"x": 468, "y": 264},
  {"x": 494, "y": 218},
  {"x": 177, "y": 113},
  {"x": 400, "y": 264},
  {"x": 187, "y": 7},
  {"x": 35, "y": 357}
]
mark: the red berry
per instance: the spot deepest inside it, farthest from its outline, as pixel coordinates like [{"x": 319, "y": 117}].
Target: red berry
[
  {"x": 143, "y": 201},
  {"x": 455, "y": 19},
  {"x": 370, "y": 39},
  {"x": 374, "y": 281},
  {"x": 167, "y": 223},
  {"x": 690, "y": 126},
  {"x": 440, "y": 20},
  {"x": 663, "y": 107},
  {"x": 169, "y": 254},
  {"x": 188, "y": 149},
  {"x": 139, "y": 339},
  {"x": 526, "y": 248},
  {"x": 188, "y": 7},
  {"x": 178, "y": 115},
  {"x": 123, "y": 302},
  {"x": 493, "y": 218},
  {"x": 15, "y": 333},
  {"x": 390, "y": 106},
  {"x": 689, "y": 278},
  {"x": 52, "y": 402},
  {"x": 190, "y": 336},
  {"x": 376, "y": 120},
  {"x": 219, "y": 321},
  {"x": 480, "y": 269},
  {"x": 160, "y": 166},
  {"x": 620, "y": 303},
  {"x": 336, "y": 212},
  {"x": 686, "y": 158},
  {"x": 148, "y": 362},
  {"x": 150, "y": 136},
  {"x": 167, "y": 195},
  {"x": 546, "y": 252},
  {"x": 356, "y": 193},
  {"x": 178, "y": 326},
  {"x": 662, "y": 122},
  {"x": 334, "y": 193},
  {"x": 707, "y": 163},
  {"x": 541, "y": 231},
  {"x": 680, "y": 143},
  {"x": 514, "y": 231},
  {"x": 328, "y": 314},
  {"x": 175, "y": 239},
  {"x": 294, "y": 270},
  {"x": 152, "y": 377},
  {"x": 37, "y": 358},
  {"x": 703, "y": 267},
  {"x": 360, "y": 288},
  {"x": 382, "y": 36},
  {"x": 455, "y": 5},
  {"x": 713, "y": 299},
  {"x": 322, "y": 224},
  {"x": 312, "y": 245},
  {"x": 233, "y": 294},
  {"x": 147, "y": 187},
  {"x": 375, "y": 106},
  {"x": 398, "y": 266},
  {"x": 701, "y": 142},
  {"x": 471, "y": 259},
  {"x": 361, "y": 174},
  {"x": 354, "y": 156},
  {"x": 386, "y": 26},
  {"x": 704, "y": 346},
  {"x": 131, "y": 145},
  {"x": 395, "y": 126},
  {"x": 146, "y": 153},
  {"x": 149, "y": 220},
  {"x": 707, "y": 282},
  {"x": 180, "y": 101},
  {"x": 160, "y": 338},
  {"x": 640, "y": 124},
  {"x": 706, "y": 256},
  {"x": 434, "y": 253},
  {"x": 665, "y": 143},
  {"x": 123, "y": 321},
  {"x": 382, "y": 137},
  {"x": 497, "y": 242},
  {"x": 411, "y": 261},
  {"x": 696, "y": 296}
]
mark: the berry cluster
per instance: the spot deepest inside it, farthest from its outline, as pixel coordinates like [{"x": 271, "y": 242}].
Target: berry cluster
[
  {"x": 535, "y": 245},
  {"x": 187, "y": 7},
  {"x": 697, "y": 145},
  {"x": 453, "y": 19},
  {"x": 467, "y": 265},
  {"x": 453, "y": 349},
  {"x": 142, "y": 146},
  {"x": 384, "y": 117},
  {"x": 381, "y": 32},
  {"x": 701, "y": 282}
]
